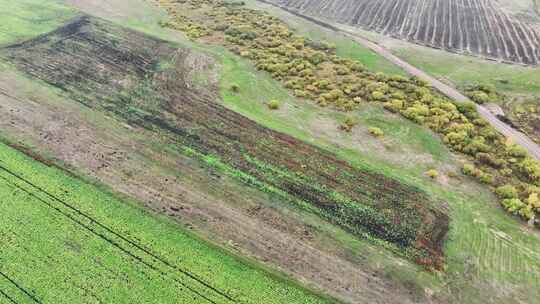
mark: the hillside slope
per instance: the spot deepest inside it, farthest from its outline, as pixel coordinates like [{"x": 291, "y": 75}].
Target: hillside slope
[
  {"x": 104, "y": 126},
  {"x": 181, "y": 153}
]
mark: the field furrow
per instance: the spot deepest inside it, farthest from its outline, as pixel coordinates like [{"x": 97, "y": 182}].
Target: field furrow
[{"x": 478, "y": 27}]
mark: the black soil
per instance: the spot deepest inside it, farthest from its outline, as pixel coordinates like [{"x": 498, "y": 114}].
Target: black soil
[{"x": 145, "y": 82}]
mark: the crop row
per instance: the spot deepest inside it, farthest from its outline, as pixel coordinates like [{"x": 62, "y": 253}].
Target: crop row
[{"x": 478, "y": 27}]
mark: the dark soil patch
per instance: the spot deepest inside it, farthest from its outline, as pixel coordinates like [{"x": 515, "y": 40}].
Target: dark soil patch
[{"x": 143, "y": 81}]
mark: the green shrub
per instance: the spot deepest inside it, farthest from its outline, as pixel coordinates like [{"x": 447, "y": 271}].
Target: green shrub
[
  {"x": 532, "y": 170},
  {"x": 507, "y": 192},
  {"x": 490, "y": 160},
  {"x": 235, "y": 88},
  {"x": 513, "y": 205},
  {"x": 348, "y": 124},
  {"x": 432, "y": 173},
  {"x": 394, "y": 105},
  {"x": 273, "y": 104},
  {"x": 376, "y": 132},
  {"x": 377, "y": 96},
  {"x": 479, "y": 97},
  {"x": 516, "y": 151},
  {"x": 468, "y": 169},
  {"x": 468, "y": 109}
]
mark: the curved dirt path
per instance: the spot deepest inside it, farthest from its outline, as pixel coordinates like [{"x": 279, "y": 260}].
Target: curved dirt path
[{"x": 518, "y": 137}]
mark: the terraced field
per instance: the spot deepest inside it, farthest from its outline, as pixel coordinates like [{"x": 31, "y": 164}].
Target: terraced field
[{"x": 464, "y": 26}]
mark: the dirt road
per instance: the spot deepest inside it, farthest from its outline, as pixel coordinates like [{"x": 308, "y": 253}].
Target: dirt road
[{"x": 518, "y": 137}]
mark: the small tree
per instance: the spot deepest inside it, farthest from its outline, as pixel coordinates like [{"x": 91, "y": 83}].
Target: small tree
[{"x": 348, "y": 124}]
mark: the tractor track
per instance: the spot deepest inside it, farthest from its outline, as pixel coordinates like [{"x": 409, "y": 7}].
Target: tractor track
[
  {"x": 110, "y": 239},
  {"x": 19, "y": 287},
  {"x": 5, "y": 295}
]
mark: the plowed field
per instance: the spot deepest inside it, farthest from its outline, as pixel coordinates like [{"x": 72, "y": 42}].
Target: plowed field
[{"x": 481, "y": 27}]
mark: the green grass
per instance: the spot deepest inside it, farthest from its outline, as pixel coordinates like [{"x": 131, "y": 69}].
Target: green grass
[
  {"x": 256, "y": 88},
  {"x": 61, "y": 256},
  {"x": 24, "y": 19}
]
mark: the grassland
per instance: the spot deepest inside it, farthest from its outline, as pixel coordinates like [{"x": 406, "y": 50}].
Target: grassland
[
  {"x": 277, "y": 164},
  {"x": 57, "y": 227},
  {"x": 483, "y": 246},
  {"x": 25, "y": 18}
]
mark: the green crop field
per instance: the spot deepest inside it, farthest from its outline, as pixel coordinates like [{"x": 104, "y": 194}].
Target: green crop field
[{"x": 66, "y": 241}]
